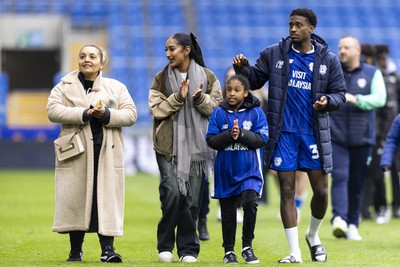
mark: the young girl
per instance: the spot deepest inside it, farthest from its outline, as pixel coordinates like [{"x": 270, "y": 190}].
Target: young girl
[
  {"x": 238, "y": 129},
  {"x": 182, "y": 98}
]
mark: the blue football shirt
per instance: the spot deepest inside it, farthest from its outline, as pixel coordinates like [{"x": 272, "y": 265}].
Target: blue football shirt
[{"x": 298, "y": 116}]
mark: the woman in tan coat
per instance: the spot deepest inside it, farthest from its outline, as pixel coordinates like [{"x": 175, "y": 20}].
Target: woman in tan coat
[
  {"x": 182, "y": 98},
  {"x": 89, "y": 187}
]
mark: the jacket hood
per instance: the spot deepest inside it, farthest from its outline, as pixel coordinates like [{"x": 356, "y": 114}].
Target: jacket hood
[{"x": 249, "y": 101}]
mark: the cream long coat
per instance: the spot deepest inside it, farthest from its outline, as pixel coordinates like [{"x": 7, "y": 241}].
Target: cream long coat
[{"x": 74, "y": 177}]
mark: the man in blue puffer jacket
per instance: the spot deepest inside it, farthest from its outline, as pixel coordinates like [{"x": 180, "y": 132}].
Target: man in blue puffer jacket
[
  {"x": 353, "y": 137},
  {"x": 305, "y": 84}
]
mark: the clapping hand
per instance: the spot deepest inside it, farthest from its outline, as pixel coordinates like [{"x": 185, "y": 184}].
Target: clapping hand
[
  {"x": 98, "y": 111},
  {"x": 197, "y": 94},
  {"x": 235, "y": 131},
  {"x": 184, "y": 88}
]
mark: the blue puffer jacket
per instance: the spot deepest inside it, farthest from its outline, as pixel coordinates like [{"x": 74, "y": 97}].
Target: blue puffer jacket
[
  {"x": 273, "y": 66},
  {"x": 391, "y": 144}
]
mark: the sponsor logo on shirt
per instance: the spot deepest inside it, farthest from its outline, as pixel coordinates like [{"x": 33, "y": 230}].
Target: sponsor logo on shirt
[{"x": 236, "y": 146}]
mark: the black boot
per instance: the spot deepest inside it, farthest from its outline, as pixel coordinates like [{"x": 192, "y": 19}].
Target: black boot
[
  {"x": 76, "y": 240},
  {"x": 108, "y": 255},
  {"x": 75, "y": 255},
  {"x": 203, "y": 232},
  {"x": 107, "y": 249}
]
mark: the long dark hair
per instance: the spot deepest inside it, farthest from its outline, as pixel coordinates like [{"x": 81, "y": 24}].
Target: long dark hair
[{"x": 184, "y": 40}]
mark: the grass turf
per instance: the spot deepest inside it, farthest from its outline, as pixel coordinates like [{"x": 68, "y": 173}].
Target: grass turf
[{"x": 26, "y": 239}]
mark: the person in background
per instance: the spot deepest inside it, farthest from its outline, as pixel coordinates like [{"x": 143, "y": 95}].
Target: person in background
[
  {"x": 390, "y": 149},
  {"x": 392, "y": 81},
  {"x": 238, "y": 130},
  {"x": 353, "y": 137},
  {"x": 181, "y": 99},
  {"x": 305, "y": 85},
  {"x": 204, "y": 209},
  {"x": 374, "y": 192},
  {"x": 89, "y": 187},
  {"x": 368, "y": 53}
]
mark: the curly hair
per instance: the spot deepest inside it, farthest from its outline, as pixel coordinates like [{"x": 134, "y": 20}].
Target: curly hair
[{"x": 307, "y": 13}]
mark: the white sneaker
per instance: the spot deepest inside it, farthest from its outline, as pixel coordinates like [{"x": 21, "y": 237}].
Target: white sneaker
[
  {"x": 239, "y": 216},
  {"x": 339, "y": 227},
  {"x": 383, "y": 216},
  {"x": 165, "y": 256},
  {"x": 188, "y": 259},
  {"x": 352, "y": 233}
]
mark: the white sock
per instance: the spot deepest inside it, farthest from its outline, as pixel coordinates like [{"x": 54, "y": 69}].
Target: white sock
[
  {"x": 312, "y": 231},
  {"x": 292, "y": 236}
]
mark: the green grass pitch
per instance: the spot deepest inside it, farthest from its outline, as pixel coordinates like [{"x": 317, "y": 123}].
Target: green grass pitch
[{"x": 26, "y": 239}]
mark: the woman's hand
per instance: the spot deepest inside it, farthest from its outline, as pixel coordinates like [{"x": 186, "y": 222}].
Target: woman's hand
[
  {"x": 197, "y": 94},
  {"x": 98, "y": 111},
  {"x": 184, "y": 88}
]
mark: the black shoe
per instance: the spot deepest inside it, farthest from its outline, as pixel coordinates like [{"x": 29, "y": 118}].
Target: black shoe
[
  {"x": 317, "y": 252},
  {"x": 366, "y": 215},
  {"x": 395, "y": 211},
  {"x": 230, "y": 258},
  {"x": 109, "y": 255},
  {"x": 248, "y": 256},
  {"x": 76, "y": 255},
  {"x": 203, "y": 232}
]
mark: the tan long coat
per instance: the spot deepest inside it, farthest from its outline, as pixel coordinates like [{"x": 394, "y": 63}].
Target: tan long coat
[{"x": 74, "y": 177}]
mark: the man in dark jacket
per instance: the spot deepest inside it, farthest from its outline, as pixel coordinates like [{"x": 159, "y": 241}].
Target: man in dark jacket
[
  {"x": 353, "y": 136},
  {"x": 374, "y": 190},
  {"x": 305, "y": 84}
]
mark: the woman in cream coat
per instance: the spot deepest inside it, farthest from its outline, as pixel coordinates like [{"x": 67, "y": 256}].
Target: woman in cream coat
[{"x": 89, "y": 187}]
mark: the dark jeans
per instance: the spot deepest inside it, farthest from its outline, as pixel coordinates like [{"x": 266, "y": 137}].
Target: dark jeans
[
  {"x": 229, "y": 224},
  {"x": 205, "y": 201},
  {"x": 350, "y": 169},
  {"x": 178, "y": 211}
]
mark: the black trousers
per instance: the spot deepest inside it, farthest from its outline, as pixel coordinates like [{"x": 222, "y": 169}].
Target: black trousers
[
  {"x": 229, "y": 224},
  {"x": 76, "y": 238},
  {"x": 204, "y": 208},
  {"x": 374, "y": 190}
]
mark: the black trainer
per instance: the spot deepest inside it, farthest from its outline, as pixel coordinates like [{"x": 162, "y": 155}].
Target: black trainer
[
  {"x": 109, "y": 255},
  {"x": 248, "y": 256},
  {"x": 76, "y": 255},
  {"x": 230, "y": 258}
]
